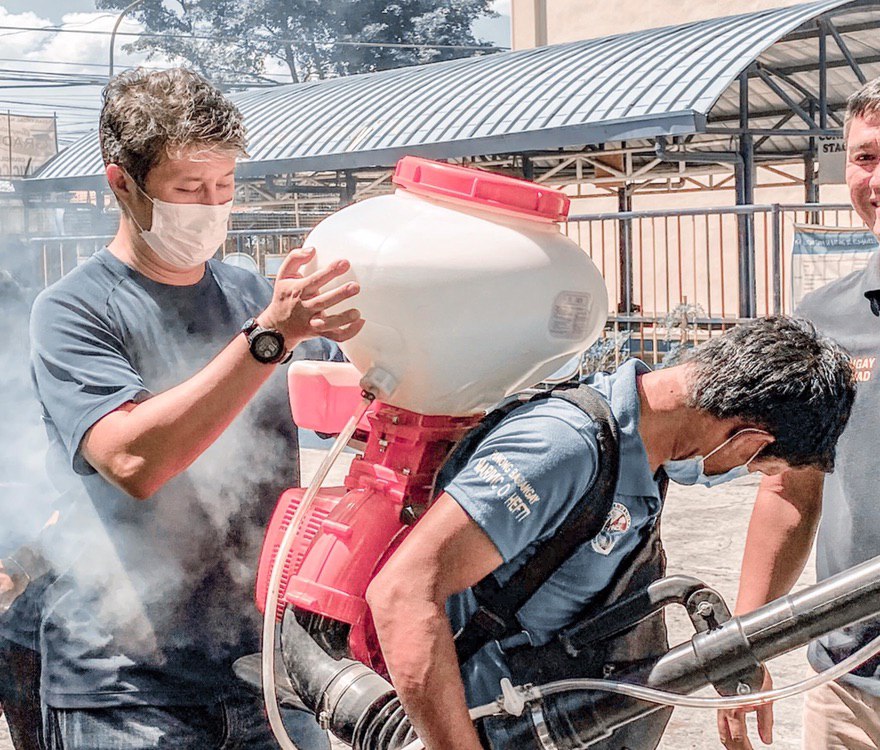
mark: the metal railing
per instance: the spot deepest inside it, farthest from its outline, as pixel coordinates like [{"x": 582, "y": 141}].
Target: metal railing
[
  {"x": 58, "y": 255},
  {"x": 676, "y": 276}
]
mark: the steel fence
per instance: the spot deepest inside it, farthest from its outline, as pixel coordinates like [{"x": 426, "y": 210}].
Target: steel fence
[
  {"x": 676, "y": 276},
  {"x": 60, "y": 254}
]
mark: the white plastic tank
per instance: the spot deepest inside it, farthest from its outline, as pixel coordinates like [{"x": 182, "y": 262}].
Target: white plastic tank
[{"x": 469, "y": 290}]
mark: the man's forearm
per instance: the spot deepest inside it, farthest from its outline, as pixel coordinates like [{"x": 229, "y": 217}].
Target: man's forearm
[
  {"x": 140, "y": 447},
  {"x": 420, "y": 654},
  {"x": 780, "y": 537}
]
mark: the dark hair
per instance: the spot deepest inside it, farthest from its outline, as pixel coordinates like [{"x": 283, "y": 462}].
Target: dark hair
[
  {"x": 150, "y": 114},
  {"x": 779, "y": 374},
  {"x": 865, "y": 101}
]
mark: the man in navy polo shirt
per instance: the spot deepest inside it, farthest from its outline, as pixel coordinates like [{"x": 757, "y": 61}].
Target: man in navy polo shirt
[
  {"x": 844, "y": 714},
  {"x": 762, "y": 397}
]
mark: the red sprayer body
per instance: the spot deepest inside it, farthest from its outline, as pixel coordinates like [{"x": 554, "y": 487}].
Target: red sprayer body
[{"x": 350, "y": 531}]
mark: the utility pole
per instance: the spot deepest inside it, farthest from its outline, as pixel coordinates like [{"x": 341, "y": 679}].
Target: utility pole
[{"x": 116, "y": 27}]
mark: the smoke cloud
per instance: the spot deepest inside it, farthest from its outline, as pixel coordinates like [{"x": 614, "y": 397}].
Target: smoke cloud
[{"x": 176, "y": 569}]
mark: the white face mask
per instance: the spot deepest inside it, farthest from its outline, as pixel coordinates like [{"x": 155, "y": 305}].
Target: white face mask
[{"x": 185, "y": 235}]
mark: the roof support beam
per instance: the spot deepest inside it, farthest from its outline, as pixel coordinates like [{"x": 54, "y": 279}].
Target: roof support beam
[
  {"x": 830, "y": 28},
  {"x": 558, "y": 168},
  {"x": 783, "y": 94},
  {"x": 767, "y": 113},
  {"x": 790, "y": 70},
  {"x": 364, "y": 191},
  {"x": 813, "y": 30},
  {"x": 776, "y": 126},
  {"x": 794, "y": 83},
  {"x": 823, "y": 78},
  {"x": 745, "y": 196},
  {"x": 781, "y": 132}
]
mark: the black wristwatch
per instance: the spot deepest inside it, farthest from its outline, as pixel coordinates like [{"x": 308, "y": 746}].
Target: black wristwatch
[{"x": 266, "y": 344}]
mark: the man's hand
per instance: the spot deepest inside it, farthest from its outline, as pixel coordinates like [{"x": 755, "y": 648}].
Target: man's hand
[
  {"x": 298, "y": 307},
  {"x": 12, "y": 584},
  {"x": 732, "y": 722}
]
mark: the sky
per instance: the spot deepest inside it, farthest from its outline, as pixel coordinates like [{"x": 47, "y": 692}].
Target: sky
[{"x": 25, "y": 55}]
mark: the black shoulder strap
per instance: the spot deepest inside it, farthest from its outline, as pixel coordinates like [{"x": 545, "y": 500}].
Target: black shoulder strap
[{"x": 499, "y": 605}]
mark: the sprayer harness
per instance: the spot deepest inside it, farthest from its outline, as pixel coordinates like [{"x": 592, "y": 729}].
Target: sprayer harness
[
  {"x": 587, "y": 654},
  {"x": 496, "y": 617}
]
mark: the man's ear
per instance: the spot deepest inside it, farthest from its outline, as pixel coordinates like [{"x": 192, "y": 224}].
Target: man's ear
[
  {"x": 752, "y": 440},
  {"x": 119, "y": 182}
]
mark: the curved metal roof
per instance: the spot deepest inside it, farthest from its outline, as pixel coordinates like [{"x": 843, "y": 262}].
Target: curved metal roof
[{"x": 639, "y": 85}]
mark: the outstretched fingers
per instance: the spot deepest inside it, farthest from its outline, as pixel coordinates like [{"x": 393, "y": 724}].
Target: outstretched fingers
[
  {"x": 343, "y": 332},
  {"x": 328, "y": 299},
  {"x": 294, "y": 261},
  {"x": 321, "y": 322},
  {"x": 311, "y": 284}
]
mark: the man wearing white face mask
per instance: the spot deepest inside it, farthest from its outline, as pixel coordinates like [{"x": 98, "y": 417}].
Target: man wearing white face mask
[
  {"x": 693, "y": 470},
  {"x": 168, "y": 423},
  {"x": 184, "y": 235}
]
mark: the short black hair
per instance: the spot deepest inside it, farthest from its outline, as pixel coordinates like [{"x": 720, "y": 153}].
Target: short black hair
[{"x": 780, "y": 374}]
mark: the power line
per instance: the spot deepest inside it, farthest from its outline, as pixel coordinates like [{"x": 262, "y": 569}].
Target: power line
[
  {"x": 316, "y": 42},
  {"x": 14, "y": 78},
  {"x": 57, "y": 105},
  {"x": 264, "y": 77}
]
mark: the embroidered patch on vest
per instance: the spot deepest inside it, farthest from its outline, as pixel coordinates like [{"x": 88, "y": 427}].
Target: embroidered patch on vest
[{"x": 616, "y": 525}]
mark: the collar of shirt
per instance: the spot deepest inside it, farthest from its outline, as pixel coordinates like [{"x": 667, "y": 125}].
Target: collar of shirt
[
  {"x": 871, "y": 283},
  {"x": 621, "y": 389}
]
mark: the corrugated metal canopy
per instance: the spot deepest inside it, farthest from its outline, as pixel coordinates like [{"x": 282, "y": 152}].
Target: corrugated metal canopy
[
  {"x": 792, "y": 63},
  {"x": 633, "y": 86}
]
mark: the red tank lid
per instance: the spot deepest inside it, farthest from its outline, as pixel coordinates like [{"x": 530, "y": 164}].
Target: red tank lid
[{"x": 478, "y": 187}]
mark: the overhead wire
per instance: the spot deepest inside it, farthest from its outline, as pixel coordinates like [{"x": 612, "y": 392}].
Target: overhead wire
[
  {"x": 43, "y": 80},
  {"x": 204, "y": 37}
]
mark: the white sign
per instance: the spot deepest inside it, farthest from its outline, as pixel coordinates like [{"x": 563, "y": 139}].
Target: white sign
[
  {"x": 832, "y": 160},
  {"x": 823, "y": 254},
  {"x": 25, "y": 143}
]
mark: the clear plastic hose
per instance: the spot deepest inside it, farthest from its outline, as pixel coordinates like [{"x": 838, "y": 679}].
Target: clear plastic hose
[
  {"x": 666, "y": 698},
  {"x": 274, "y": 593}
]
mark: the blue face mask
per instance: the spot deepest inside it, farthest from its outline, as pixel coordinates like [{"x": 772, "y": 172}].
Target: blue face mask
[{"x": 691, "y": 470}]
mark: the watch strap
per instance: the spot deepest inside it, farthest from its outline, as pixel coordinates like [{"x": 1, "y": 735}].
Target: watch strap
[{"x": 252, "y": 329}]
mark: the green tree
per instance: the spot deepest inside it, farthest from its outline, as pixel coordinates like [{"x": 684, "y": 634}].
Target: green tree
[{"x": 231, "y": 40}]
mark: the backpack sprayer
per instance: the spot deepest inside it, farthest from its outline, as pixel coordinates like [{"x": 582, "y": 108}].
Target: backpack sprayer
[{"x": 444, "y": 340}]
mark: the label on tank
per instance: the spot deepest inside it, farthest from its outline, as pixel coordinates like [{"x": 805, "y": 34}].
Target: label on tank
[{"x": 571, "y": 315}]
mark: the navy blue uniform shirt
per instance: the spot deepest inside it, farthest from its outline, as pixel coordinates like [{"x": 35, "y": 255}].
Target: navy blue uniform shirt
[{"x": 520, "y": 485}]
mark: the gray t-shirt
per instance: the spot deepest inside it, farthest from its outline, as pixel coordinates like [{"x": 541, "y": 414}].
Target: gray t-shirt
[
  {"x": 154, "y": 599},
  {"x": 849, "y": 532}
]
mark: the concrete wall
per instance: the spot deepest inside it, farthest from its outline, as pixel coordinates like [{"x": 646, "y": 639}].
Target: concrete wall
[{"x": 538, "y": 22}]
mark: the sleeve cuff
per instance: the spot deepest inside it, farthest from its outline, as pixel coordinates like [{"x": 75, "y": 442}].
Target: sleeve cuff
[
  {"x": 91, "y": 417},
  {"x": 460, "y": 496}
]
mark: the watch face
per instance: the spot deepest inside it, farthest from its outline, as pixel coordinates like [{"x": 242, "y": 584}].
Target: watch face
[{"x": 266, "y": 346}]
